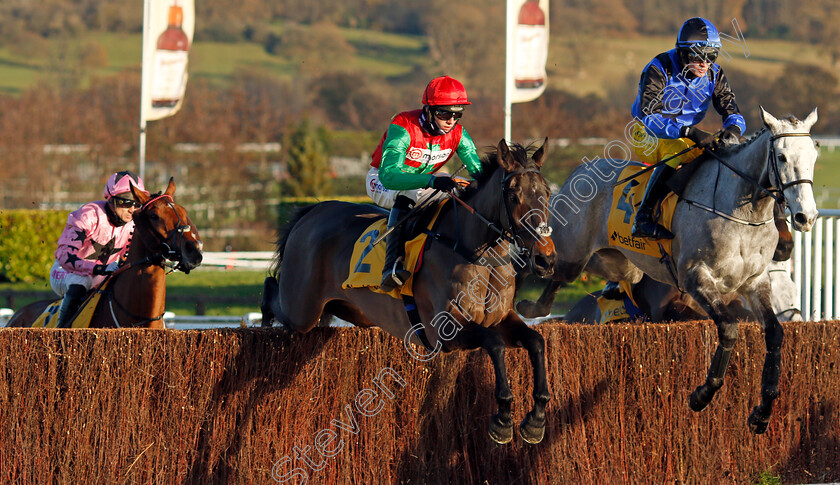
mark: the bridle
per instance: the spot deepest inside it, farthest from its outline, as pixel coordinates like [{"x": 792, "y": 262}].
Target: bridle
[
  {"x": 511, "y": 233},
  {"x": 774, "y": 168},
  {"x": 167, "y": 252},
  {"x": 777, "y": 186}
]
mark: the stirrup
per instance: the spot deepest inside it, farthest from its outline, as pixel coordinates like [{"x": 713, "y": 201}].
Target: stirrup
[
  {"x": 397, "y": 277},
  {"x": 658, "y": 232}
]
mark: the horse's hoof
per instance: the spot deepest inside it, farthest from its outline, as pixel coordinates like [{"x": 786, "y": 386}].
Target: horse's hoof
[
  {"x": 499, "y": 431},
  {"x": 529, "y": 309},
  {"x": 697, "y": 402},
  {"x": 756, "y": 422},
  {"x": 532, "y": 430}
]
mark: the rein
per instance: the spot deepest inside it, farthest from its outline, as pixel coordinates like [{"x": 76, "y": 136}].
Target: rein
[{"x": 509, "y": 234}]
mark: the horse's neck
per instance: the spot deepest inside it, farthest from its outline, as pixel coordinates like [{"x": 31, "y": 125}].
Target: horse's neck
[
  {"x": 142, "y": 287},
  {"x": 472, "y": 231},
  {"x": 730, "y": 193}
]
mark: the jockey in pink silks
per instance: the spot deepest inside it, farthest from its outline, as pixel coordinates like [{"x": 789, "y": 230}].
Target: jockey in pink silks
[{"x": 95, "y": 239}]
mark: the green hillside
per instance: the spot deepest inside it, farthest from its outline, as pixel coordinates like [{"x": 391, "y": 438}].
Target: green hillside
[{"x": 578, "y": 64}]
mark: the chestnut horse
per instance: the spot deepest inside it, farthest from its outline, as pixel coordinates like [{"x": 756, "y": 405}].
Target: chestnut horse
[
  {"x": 463, "y": 291},
  {"x": 136, "y": 295}
]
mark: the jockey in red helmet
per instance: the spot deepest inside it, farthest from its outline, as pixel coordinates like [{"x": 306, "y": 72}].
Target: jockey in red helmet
[
  {"x": 96, "y": 237},
  {"x": 417, "y": 144}
]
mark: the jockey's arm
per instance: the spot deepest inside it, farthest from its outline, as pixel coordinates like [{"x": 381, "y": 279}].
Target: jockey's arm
[
  {"x": 79, "y": 226},
  {"x": 393, "y": 172},
  {"x": 468, "y": 154},
  {"x": 724, "y": 102},
  {"x": 652, "y": 87}
]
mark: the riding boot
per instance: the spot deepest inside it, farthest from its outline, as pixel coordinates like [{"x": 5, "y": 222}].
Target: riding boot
[
  {"x": 394, "y": 273},
  {"x": 657, "y": 189},
  {"x": 72, "y": 299},
  {"x": 612, "y": 291}
]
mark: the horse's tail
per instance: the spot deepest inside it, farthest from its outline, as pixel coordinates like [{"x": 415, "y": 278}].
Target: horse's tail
[{"x": 284, "y": 237}]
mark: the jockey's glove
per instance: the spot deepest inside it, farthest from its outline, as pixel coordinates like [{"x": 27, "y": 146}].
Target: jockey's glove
[
  {"x": 446, "y": 184},
  {"x": 701, "y": 138},
  {"x": 101, "y": 269},
  {"x": 731, "y": 135}
]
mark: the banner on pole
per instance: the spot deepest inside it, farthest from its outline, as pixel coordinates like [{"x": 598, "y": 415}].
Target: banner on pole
[
  {"x": 530, "y": 49},
  {"x": 168, "y": 32}
]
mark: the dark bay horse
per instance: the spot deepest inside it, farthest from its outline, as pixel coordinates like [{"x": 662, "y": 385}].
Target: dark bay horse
[
  {"x": 724, "y": 239},
  {"x": 465, "y": 301},
  {"x": 136, "y": 296}
]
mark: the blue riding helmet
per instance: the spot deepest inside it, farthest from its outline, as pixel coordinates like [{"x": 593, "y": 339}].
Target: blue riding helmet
[{"x": 698, "y": 37}]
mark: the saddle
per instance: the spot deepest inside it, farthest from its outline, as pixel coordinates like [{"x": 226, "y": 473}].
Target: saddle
[
  {"x": 368, "y": 260},
  {"x": 49, "y": 317}
]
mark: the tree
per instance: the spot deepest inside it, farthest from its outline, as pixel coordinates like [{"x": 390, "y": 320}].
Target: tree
[{"x": 307, "y": 161}]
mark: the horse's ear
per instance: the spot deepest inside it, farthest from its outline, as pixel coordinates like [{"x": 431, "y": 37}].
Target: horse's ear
[
  {"x": 811, "y": 119},
  {"x": 506, "y": 160},
  {"x": 540, "y": 153},
  {"x": 140, "y": 196},
  {"x": 769, "y": 120},
  {"x": 170, "y": 189}
]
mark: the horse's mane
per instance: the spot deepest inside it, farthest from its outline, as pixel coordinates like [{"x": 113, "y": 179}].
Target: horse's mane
[
  {"x": 793, "y": 120},
  {"x": 733, "y": 149},
  {"x": 283, "y": 237},
  {"x": 490, "y": 161}
]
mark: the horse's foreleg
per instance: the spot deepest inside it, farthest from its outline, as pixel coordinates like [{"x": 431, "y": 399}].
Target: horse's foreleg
[
  {"x": 474, "y": 336},
  {"x": 541, "y": 307},
  {"x": 773, "y": 337},
  {"x": 269, "y": 299},
  {"x": 702, "y": 288},
  {"x": 517, "y": 333}
]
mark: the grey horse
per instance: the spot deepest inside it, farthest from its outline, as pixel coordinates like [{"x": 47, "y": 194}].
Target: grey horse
[{"x": 724, "y": 239}]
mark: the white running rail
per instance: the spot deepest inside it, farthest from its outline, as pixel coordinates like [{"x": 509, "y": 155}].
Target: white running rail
[{"x": 815, "y": 259}]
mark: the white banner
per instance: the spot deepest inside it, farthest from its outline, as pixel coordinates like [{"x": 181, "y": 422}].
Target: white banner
[
  {"x": 168, "y": 33},
  {"x": 529, "y": 48}
]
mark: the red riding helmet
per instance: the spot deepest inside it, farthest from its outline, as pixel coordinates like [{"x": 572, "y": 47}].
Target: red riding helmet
[{"x": 445, "y": 91}]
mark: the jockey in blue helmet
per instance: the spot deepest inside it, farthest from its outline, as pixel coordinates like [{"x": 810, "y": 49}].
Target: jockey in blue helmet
[{"x": 675, "y": 91}]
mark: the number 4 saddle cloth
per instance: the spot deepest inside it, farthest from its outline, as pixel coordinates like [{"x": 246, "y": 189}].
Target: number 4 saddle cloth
[
  {"x": 625, "y": 203},
  {"x": 368, "y": 259}
]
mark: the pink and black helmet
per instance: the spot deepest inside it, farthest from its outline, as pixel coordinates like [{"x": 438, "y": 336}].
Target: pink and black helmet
[{"x": 121, "y": 182}]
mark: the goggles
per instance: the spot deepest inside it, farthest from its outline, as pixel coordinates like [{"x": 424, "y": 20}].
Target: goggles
[
  {"x": 447, "y": 115},
  {"x": 705, "y": 56},
  {"x": 124, "y": 203}
]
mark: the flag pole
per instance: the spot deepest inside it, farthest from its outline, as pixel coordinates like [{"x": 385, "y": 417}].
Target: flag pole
[
  {"x": 144, "y": 86},
  {"x": 510, "y": 17}
]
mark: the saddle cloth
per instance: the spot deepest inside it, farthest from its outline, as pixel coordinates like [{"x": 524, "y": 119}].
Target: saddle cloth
[
  {"x": 368, "y": 259},
  {"x": 625, "y": 203},
  {"x": 617, "y": 310},
  {"x": 49, "y": 317}
]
